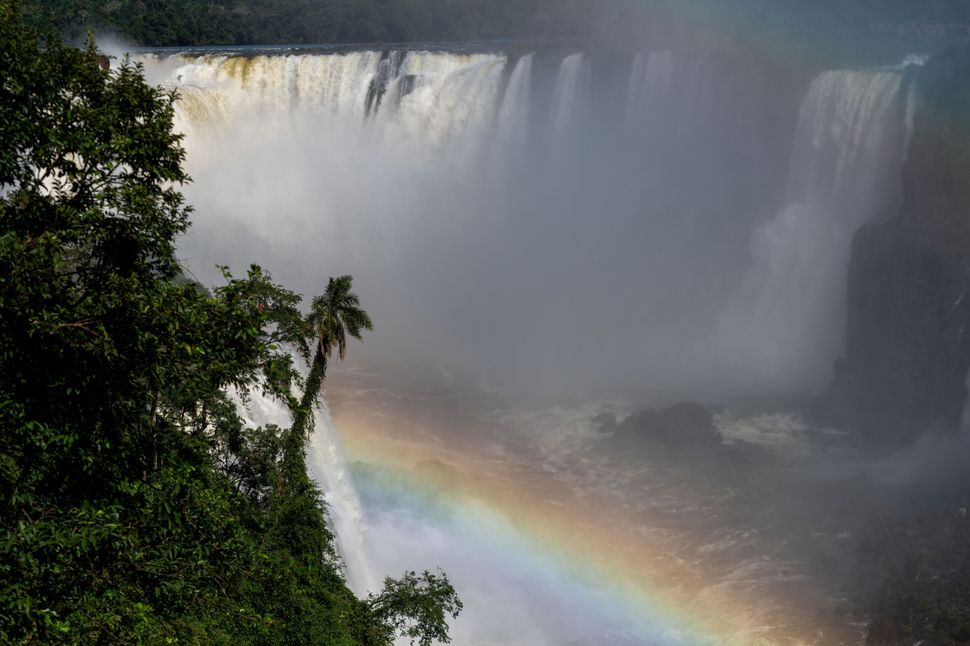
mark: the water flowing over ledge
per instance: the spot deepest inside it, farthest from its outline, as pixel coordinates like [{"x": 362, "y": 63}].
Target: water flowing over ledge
[{"x": 658, "y": 174}]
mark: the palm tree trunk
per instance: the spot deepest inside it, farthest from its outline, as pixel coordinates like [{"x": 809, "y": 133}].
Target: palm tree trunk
[
  {"x": 294, "y": 455},
  {"x": 314, "y": 382}
]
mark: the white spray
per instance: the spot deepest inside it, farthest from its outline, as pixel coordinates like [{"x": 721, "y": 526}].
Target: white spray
[
  {"x": 415, "y": 168},
  {"x": 788, "y": 315}
]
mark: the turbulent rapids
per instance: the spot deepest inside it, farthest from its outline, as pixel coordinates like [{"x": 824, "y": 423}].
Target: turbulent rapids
[{"x": 594, "y": 230}]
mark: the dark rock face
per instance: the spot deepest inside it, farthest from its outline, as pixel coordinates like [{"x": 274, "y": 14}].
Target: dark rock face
[
  {"x": 908, "y": 339},
  {"x": 682, "y": 426}
]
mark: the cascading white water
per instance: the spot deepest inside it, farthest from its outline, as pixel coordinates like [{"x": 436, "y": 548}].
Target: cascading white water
[
  {"x": 279, "y": 86},
  {"x": 454, "y": 98},
  {"x": 328, "y": 466},
  {"x": 651, "y": 83},
  {"x": 441, "y": 99},
  {"x": 572, "y": 90},
  {"x": 512, "y": 121},
  {"x": 789, "y": 313}
]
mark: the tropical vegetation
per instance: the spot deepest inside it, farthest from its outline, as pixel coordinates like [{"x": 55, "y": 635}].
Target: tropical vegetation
[
  {"x": 136, "y": 503},
  {"x": 264, "y": 22},
  {"x": 820, "y": 33}
]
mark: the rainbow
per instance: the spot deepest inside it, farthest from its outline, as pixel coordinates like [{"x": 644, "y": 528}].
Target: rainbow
[{"x": 578, "y": 544}]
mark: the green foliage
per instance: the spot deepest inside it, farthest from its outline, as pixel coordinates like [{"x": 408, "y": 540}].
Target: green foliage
[
  {"x": 135, "y": 504},
  {"x": 334, "y": 316},
  {"x": 417, "y": 607},
  {"x": 819, "y": 28},
  {"x": 238, "y": 22}
]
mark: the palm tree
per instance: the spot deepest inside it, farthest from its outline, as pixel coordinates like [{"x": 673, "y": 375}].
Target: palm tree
[{"x": 333, "y": 317}]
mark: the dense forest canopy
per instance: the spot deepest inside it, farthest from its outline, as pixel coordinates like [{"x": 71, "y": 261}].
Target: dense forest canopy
[
  {"x": 240, "y": 22},
  {"x": 136, "y": 505}
]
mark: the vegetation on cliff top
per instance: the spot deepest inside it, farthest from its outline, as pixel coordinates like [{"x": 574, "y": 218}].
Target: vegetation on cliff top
[
  {"x": 136, "y": 506},
  {"x": 818, "y": 26}
]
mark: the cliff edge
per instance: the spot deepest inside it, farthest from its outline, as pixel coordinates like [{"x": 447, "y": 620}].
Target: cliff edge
[{"x": 908, "y": 329}]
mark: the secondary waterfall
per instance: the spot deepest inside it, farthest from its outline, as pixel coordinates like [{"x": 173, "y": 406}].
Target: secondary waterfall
[
  {"x": 651, "y": 81},
  {"x": 572, "y": 90},
  {"x": 513, "y": 114},
  {"x": 850, "y": 144}
]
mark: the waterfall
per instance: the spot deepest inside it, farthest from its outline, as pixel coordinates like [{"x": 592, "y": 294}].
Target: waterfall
[
  {"x": 788, "y": 316},
  {"x": 443, "y": 99},
  {"x": 329, "y": 468},
  {"x": 513, "y": 114},
  {"x": 454, "y": 98},
  {"x": 219, "y": 87},
  {"x": 651, "y": 81},
  {"x": 572, "y": 87},
  {"x": 662, "y": 175}
]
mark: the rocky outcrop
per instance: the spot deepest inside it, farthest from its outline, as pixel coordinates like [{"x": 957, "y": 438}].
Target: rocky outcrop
[
  {"x": 908, "y": 334},
  {"x": 681, "y": 426}
]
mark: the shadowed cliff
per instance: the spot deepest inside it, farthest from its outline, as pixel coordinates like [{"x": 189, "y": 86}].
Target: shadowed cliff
[{"x": 909, "y": 279}]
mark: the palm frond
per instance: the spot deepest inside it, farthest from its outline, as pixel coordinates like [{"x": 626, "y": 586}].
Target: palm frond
[{"x": 334, "y": 316}]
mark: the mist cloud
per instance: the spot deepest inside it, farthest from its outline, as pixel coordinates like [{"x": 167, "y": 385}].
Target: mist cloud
[{"x": 560, "y": 223}]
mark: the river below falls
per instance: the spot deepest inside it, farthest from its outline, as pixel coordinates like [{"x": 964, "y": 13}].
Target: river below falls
[{"x": 553, "y": 536}]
